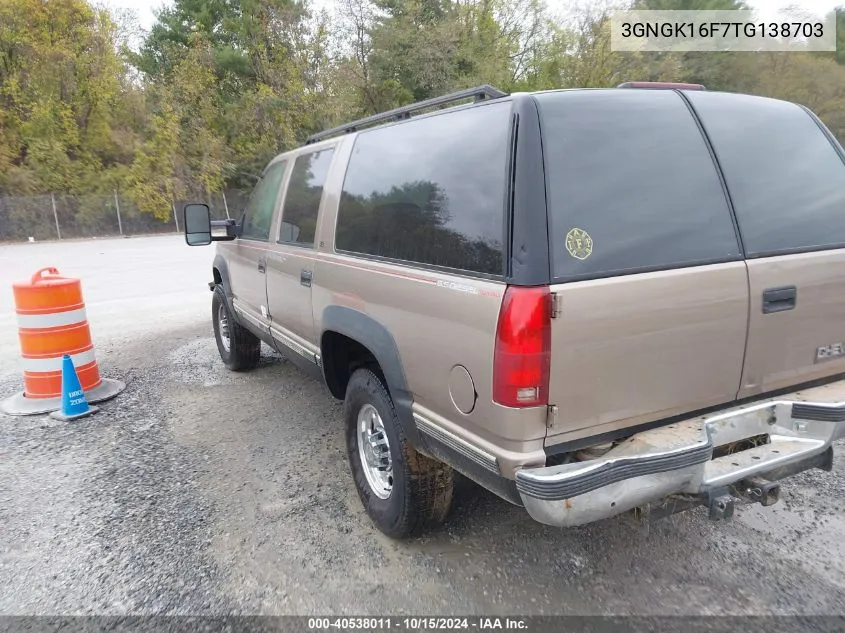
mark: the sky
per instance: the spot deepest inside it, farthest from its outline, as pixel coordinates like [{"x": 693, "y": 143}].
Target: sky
[{"x": 145, "y": 8}]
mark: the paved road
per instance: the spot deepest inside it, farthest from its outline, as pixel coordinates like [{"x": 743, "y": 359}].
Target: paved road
[
  {"x": 202, "y": 491},
  {"x": 135, "y": 288}
]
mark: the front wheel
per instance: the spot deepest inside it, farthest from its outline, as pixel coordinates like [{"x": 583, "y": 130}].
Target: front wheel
[
  {"x": 402, "y": 490},
  {"x": 239, "y": 348}
]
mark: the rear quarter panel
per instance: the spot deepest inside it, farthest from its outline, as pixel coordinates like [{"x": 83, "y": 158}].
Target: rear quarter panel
[{"x": 438, "y": 321}]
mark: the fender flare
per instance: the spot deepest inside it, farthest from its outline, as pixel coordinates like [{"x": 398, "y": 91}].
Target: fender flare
[
  {"x": 375, "y": 337},
  {"x": 223, "y": 268}
]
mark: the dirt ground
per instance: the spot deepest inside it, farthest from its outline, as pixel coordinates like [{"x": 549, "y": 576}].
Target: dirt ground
[{"x": 200, "y": 491}]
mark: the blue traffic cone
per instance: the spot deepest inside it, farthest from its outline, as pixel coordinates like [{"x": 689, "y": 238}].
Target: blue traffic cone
[{"x": 74, "y": 403}]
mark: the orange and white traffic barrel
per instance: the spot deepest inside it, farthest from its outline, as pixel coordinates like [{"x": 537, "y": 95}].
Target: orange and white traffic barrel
[{"x": 51, "y": 323}]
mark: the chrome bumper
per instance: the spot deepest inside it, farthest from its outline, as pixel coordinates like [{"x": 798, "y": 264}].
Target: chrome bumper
[{"x": 677, "y": 459}]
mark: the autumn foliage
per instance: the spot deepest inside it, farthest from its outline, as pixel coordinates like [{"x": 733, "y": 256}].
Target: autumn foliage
[{"x": 217, "y": 87}]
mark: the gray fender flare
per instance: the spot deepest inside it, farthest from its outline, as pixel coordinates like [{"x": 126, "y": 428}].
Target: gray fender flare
[
  {"x": 375, "y": 337},
  {"x": 223, "y": 268}
]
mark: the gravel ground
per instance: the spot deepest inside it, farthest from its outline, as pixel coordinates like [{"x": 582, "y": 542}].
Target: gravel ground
[{"x": 200, "y": 491}]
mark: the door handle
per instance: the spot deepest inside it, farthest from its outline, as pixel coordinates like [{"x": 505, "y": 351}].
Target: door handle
[
  {"x": 305, "y": 278},
  {"x": 779, "y": 299},
  {"x": 262, "y": 265}
]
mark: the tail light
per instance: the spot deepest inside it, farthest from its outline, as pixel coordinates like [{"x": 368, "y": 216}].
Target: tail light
[{"x": 523, "y": 348}]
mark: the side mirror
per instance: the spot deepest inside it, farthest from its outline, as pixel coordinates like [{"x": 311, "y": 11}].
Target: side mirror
[{"x": 197, "y": 224}]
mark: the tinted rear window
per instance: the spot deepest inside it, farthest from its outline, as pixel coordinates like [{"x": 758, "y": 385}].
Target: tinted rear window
[
  {"x": 786, "y": 180},
  {"x": 430, "y": 191},
  {"x": 632, "y": 185}
]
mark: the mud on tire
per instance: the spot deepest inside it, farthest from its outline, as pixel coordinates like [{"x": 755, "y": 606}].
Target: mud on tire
[
  {"x": 421, "y": 494},
  {"x": 244, "y": 348}
]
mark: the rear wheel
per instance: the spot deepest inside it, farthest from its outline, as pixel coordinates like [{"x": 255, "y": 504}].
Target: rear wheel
[
  {"x": 239, "y": 348},
  {"x": 402, "y": 490}
]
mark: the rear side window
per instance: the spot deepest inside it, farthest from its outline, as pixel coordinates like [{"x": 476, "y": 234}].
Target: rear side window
[
  {"x": 430, "y": 191},
  {"x": 302, "y": 200},
  {"x": 786, "y": 179},
  {"x": 262, "y": 202},
  {"x": 631, "y": 185}
]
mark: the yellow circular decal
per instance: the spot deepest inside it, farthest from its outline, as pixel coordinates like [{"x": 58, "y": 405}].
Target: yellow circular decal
[{"x": 579, "y": 243}]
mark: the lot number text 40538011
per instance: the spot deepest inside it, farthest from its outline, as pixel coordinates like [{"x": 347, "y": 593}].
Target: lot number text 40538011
[{"x": 416, "y": 623}]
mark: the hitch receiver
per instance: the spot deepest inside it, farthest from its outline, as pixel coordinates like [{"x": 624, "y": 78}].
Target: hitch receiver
[{"x": 760, "y": 490}]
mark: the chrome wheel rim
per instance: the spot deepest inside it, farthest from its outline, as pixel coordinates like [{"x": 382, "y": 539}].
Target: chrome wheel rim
[
  {"x": 223, "y": 327},
  {"x": 374, "y": 450}
]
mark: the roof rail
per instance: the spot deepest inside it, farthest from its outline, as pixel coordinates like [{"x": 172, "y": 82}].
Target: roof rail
[
  {"x": 661, "y": 85},
  {"x": 479, "y": 93}
]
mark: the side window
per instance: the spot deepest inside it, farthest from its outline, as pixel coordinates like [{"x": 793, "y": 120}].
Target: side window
[
  {"x": 302, "y": 200},
  {"x": 430, "y": 191},
  {"x": 631, "y": 185},
  {"x": 262, "y": 203},
  {"x": 786, "y": 179}
]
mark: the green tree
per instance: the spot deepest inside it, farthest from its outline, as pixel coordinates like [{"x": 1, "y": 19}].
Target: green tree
[
  {"x": 218, "y": 87},
  {"x": 60, "y": 96},
  {"x": 259, "y": 61},
  {"x": 184, "y": 154}
]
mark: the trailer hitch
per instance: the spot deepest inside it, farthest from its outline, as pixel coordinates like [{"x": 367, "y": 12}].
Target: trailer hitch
[
  {"x": 719, "y": 502},
  {"x": 759, "y": 490}
]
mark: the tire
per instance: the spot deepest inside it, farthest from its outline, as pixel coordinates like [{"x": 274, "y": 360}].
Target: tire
[
  {"x": 244, "y": 348},
  {"x": 420, "y": 492}
]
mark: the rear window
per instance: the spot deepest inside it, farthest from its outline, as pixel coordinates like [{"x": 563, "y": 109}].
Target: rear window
[
  {"x": 430, "y": 191},
  {"x": 631, "y": 184},
  {"x": 786, "y": 179}
]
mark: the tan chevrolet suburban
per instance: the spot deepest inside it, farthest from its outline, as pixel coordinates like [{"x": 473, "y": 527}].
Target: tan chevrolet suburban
[{"x": 587, "y": 301}]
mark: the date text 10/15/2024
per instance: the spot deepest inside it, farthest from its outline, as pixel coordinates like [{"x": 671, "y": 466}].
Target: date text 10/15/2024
[{"x": 416, "y": 623}]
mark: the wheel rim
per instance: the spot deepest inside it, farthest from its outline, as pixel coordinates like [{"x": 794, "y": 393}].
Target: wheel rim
[
  {"x": 223, "y": 327},
  {"x": 374, "y": 450}
]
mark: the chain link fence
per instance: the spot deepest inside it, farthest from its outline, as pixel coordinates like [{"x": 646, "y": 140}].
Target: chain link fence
[{"x": 57, "y": 217}]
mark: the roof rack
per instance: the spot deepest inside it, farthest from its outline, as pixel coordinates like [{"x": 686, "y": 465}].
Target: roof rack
[
  {"x": 661, "y": 85},
  {"x": 479, "y": 93}
]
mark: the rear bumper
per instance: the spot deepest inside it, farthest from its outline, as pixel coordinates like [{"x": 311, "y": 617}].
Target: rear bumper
[{"x": 678, "y": 459}]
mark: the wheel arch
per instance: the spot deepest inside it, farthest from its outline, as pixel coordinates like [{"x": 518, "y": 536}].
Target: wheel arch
[
  {"x": 363, "y": 330},
  {"x": 220, "y": 270}
]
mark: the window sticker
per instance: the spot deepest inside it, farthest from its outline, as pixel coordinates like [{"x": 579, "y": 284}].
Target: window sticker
[{"x": 579, "y": 243}]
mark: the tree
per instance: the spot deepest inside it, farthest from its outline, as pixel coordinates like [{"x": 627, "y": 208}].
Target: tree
[
  {"x": 218, "y": 87},
  {"x": 60, "y": 93},
  {"x": 184, "y": 154}
]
